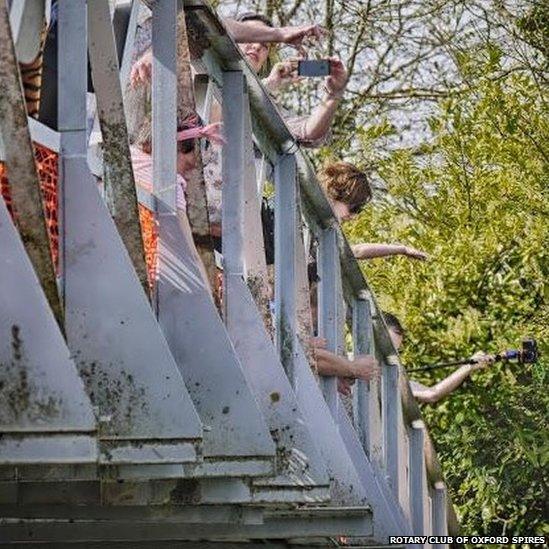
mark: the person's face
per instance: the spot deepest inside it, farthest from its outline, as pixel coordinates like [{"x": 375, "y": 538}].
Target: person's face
[
  {"x": 185, "y": 162},
  {"x": 396, "y": 338},
  {"x": 256, "y": 53},
  {"x": 343, "y": 211}
]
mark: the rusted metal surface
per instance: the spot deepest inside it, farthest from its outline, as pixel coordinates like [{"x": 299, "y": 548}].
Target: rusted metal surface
[
  {"x": 24, "y": 182},
  {"x": 119, "y": 180}
]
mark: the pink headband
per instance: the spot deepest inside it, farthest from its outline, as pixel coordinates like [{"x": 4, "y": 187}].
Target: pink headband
[{"x": 212, "y": 132}]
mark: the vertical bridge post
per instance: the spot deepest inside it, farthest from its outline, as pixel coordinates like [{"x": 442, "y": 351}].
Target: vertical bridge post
[
  {"x": 286, "y": 230},
  {"x": 328, "y": 307},
  {"x": 390, "y": 415},
  {"x": 417, "y": 477},
  {"x": 234, "y": 95},
  {"x": 364, "y": 342},
  {"x": 439, "y": 518}
]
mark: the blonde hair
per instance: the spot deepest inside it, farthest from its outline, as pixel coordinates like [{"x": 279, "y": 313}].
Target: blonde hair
[{"x": 345, "y": 183}]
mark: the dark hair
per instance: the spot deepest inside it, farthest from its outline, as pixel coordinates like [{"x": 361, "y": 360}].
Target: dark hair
[
  {"x": 252, "y": 16},
  {"x": 393, "y": 323}
]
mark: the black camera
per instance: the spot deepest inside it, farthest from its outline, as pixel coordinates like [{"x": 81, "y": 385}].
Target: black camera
[{"x": 529, "y": 353}]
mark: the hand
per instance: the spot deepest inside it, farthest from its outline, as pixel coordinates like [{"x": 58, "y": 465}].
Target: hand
[
  {"x": 344, "y": 385},
  {"x": 295, "y": 36},
  {"x": 366, "y": 368},
  {"x": 282, "y": 74},
  {"x": 482, "y": 360},
  {"x": 141, "y": 72},
  {"x": 412, "y": 253},
  {"x": 318, "y": 342},
  {"x": 337, "y": 81}
]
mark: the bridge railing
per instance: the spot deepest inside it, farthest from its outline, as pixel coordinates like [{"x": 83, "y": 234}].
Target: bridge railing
[
  {"x": 171, "y": 390},
  {"x": 387, "y": 419}
]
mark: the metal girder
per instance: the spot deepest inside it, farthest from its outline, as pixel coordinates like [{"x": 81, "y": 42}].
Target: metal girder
[
  {"x": 237, "y": 441},
  {"x": 119, "y": 180},
  {"x": 45, "y": 415},
  {"x": 286, "y": 235},
  {"x": 329, "y": 319},
  {"x": 146, "y": 414},
  {"x": 27, "y": 18},
  {"x": 197, "y": 209},
  {"x": 390, "y": 418},
  {"x": 300, "y": 468},
  {"x": 345, "y": 487},
  {"x": 387, "y": 516},
  {"x": 274, "y": 526},
  {"x": 301, "y": 475},
  {"x": 417, "y": 479},
  {"x": 24, "y": 182}
]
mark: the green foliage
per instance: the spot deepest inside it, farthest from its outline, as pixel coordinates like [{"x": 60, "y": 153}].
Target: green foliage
[{"x": 476, "y": 200}]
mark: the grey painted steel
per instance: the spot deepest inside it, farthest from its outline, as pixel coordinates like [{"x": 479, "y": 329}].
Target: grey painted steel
[
  {"x": 39, "y": 133},
  {"x": 127, "y": 53},
  {"x": 439, "y": 520},
  {"x": 329, "y": 320},
  {"x": 346, "y": 487},
  {"x": 390, "y": 416},
  {"x": 27, "y": 19},
  {"x": 119, "y": 350},
  {"x": 119, "y": 180},
  {"x": 164, "y": 102},
  {"x": 387, "y": 515},
  {"x": 24, "y": 183},
  {"x": 350, "y": 524},
  {"x": 199, "y": 342},
  {"x": 234, "y": 97},
  {"x": 286, "y": 232},
  {"x": 363, "y": 345},
  {"x": 299, "y": 465},
  {"x": 235, "y": 430},
  {"x": 45, "y": 415},
  {"x": 190, "y": 514},
  {"x": 417, "y": 477}
]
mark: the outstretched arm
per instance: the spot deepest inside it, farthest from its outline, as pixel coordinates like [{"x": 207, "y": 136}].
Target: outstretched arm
[
  {"x": 257, "y": 31},
  {"x": 329, "y": 364},
  {"x": 431, "y": 395},
  {"x": 368, "y": 250}
]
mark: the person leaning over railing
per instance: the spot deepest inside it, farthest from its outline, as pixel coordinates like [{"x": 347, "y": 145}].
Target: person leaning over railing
[
  {"x": 431, "y": 395},
  {"x": 348, "y": 191},
  {"x": 257, "y": 36},
  {"x": 340, "y": 180}
]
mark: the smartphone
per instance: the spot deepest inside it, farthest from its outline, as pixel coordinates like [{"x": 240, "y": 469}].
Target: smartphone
[{"x": 313, "y": 68}]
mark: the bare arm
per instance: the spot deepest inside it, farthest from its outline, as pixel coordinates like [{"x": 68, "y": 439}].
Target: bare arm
[
  {"x": 320, "y": 120},
  {"x": 330, "y": 364},
  {"x": 257, "y": 31},
  {"x": 431, "y": 395},
  {"x": 368, "y": 250},
  {"x": 363, "y": 367}
]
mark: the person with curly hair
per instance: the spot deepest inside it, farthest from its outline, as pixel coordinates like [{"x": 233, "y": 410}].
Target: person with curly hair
[{"x": 348, "y": 190}]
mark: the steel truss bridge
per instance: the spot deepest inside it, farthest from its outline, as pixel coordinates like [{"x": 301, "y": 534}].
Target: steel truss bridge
[{"x": 134, "y": 419}]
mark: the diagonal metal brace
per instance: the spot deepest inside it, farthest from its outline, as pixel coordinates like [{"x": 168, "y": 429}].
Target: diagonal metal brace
[
  {"x": 24, "y": 181},
  {"x": 119, "y": 179}
]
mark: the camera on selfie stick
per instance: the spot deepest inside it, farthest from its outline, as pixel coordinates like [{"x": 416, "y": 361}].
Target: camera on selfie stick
[{"x": 527, "y": 354}]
